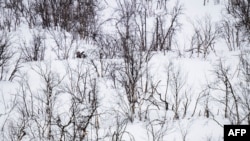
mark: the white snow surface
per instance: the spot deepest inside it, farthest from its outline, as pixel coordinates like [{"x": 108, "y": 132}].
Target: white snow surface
[{"x": 196, "y": 70}]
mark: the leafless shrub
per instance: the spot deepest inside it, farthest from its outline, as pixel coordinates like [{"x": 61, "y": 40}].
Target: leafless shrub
[
  {"x": 157, "y": 129},
  {"x": 239, "y": 10},
  {"x": 35, "y": 49},
  {"x": 205, "y": 98},
  {"x": 119, "y": 129},
  {"x": 204, "y": 38},
  {"x": 10, "y": 15},
  {"x": 184, "y": 129},
  {"x": 103, "y": 67},
  {"x": 231, "y": 91},
  {"x": 39, "y": 113},
  {"x": 108, "y": 46},
  {"x": 16, "y": 68},
  {"x": 6, "y": 54},
  {"x": 164, "y": 37},
  {"x": 224, "y": 84},
  {"x": 164, "y": 97},
  {"x": 35, "y": 107},
  {"x": 82, "y": 90},
  {"x": 10, "y": 62},
  {"x": 134, "y": 59},
  {"x": 177, "y": 82},
  {"x": 51, "y": 81},
  {"x": 70, "y": 15},
  {"x": 197, "y": 102},
  {"x": 132, "y": 29},
  {"x": 177, "y": 95},
  {"x": 135, "y": 67},
  {"x": 230, "y": 34},
  {"x": 146, "y": 96},
  {"x": 8, "y": 108},
  {"x": 29, "y": 13},
  {"x": 243, "y": 86},
  {"x": 65, "y": 44}
]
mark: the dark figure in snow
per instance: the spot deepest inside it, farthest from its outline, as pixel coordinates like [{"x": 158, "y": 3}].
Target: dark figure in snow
[
  {"x": 80, "y": 54},
  {"x": 101, "y": 55}
]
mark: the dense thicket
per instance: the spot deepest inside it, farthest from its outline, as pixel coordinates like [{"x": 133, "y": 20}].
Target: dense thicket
[{"x": 78, "y": 16}]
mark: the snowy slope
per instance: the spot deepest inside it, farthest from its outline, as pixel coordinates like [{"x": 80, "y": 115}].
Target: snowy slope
[{"x": 111, "y": 114}]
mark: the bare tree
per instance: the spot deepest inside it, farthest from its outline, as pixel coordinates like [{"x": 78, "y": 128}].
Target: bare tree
[
  {"x": 230, "y": 34},
  {"x": 71, "y": 15},
  {"x": 40, "y": 114},
  {"x": 16, "y": 68},
  {"x": 164, "y": 97},
  {"x": 134, "y": 59},
  {"x": 204, "y": 38},
  {"x": 35, "y": 50},
  {"x": 164, "y": 37},
  {"x": 240, "y": 10},
  {"x": 206, "y": 98},
  {"x": 10, "y": 14},
  {"x": 197, "y": 102},
  {"x": 35, "y": 106},
  {"x": 51, "y": 81},
  {"x": 244, "y": 83},
  {"x": 82, "y": 90},
  {"x": 66, "y": 44},
  {"x": 184, "y": 129},
  {"x": 157, "y": 129},
  {"x": 177, "y": 82},
  {"x": 8, "y": 108},
  {"x": 176, "y": 92},
  {"x": 231, "y": 98},
  {"x": 119, "y": 129},
  {"x": 6, "y": 54}
]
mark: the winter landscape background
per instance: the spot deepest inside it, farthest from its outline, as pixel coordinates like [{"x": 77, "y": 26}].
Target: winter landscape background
[{"x": 123, "y": 70}]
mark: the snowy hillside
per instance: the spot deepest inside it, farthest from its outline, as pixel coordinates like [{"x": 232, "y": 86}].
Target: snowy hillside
[{"x": 123, "y": 70}]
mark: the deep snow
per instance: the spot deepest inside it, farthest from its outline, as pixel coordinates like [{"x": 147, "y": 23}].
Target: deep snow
[{"x": 196, "y": 70}]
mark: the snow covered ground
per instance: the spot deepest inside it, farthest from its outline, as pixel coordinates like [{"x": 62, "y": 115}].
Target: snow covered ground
[{"x": 93, "y": 78}]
